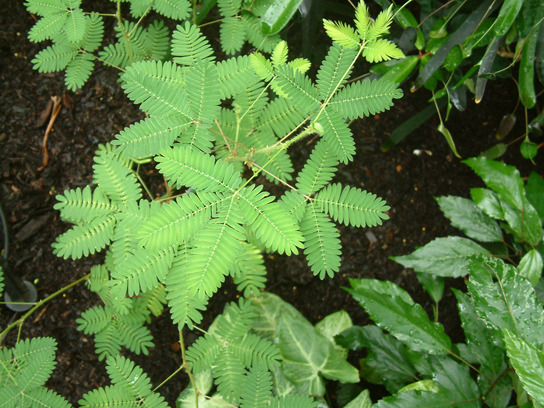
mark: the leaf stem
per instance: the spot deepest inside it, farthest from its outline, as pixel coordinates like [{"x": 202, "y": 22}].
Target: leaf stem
[{"x": 39, "y": 304}]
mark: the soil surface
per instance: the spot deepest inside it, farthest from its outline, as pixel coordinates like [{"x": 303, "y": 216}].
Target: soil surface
[{"x": 407, "y": 177}]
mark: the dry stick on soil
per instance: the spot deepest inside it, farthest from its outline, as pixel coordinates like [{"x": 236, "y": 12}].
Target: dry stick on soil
[{"x": 54, "y": 113}]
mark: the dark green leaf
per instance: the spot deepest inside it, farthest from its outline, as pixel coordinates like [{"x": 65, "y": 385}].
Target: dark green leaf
[
  {"x": 386, "y": 361},
  {"x": 510, "y": 303},
  {"x": 465, "y": 30},
  {"x": 530, "y": 266},
  {"x": 433, "y": 285},
  {"x": 507, "y": 15},
  {"x": 535, "y": 193},
  {"x": 278, "y": 15},
  {"x": 446, "y": 257},
  {"x": 415, "y": 399},
  {"x": 454, "y": 382},
  {"x": 480, "y": 338},
  {"x": 398, "y": 314},
  {"x": 528, "y": 362},
  {"x": 466, "y": 216},
  {"x": 501, "y": 178}
]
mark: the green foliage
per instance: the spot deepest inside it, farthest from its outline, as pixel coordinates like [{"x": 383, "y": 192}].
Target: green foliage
[
  {"x": 212, "y": 129},
  {"x": 464, "y": 46},
  {"x": 24, "y": 369},
  {"x": 503, "y": 323},
  {"x": 130, "y": 387},
  {"x": 500, "y": 216}
]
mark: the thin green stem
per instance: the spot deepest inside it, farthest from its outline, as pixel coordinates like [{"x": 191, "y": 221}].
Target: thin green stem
[
  {"x": 39, "y": 304},
  {"x": 186, "y": 366},
  {"x": 142, "y": 17}
]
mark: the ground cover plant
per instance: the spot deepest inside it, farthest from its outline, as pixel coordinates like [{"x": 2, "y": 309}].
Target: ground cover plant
[
  {"x": 455, "y": 49},
  {"x": 214, "y": 218}
]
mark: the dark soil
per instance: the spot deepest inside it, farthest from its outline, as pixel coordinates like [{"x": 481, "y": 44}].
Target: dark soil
[{"x": 407, "y": 177}]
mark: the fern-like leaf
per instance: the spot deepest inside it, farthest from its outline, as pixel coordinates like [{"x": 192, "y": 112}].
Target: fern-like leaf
[
  {"x": 203, "y": 95},
  {"x": 321, "y": 243},
  {"x": 142, "y": 271},
  {"x": 203, "y": 352},
  {"x": 293, "y": 204},
  {"x": 115, "y": 55},
  {"x": 254, "y": 351},
  {"x": 281, "y": 116},
  {"x": 78, "y": 71},
  {"x": 124, "y": 372},
  {"x": 277, "y": 165},
  {"x": 362, "y": 20},
  {"x": 41, "y": 397},
  {"x": 229, "y": 376},
  {"x": 381, "y": 50},
  {"x": 75, "y": 25},
  {"x": 232, "y": 34},
  {"x": 270, "y": 223},
  {"x": 229, "y": 8},
  {"x": 249, "y": 272},
  {"x": 257, "y": 389},
  {"x": 184, "y": 166},
  {"x": 45, "y": 7},
  {"x": 299, "y": 88},
  {"x": 184, "y": 307},
  {"x": 235, "y": 75},
  {"x": 33, "y": 362},
  {"x": 84, "y": 205},
  {"x": 149, "y": 136},
  {"x": 94, "y": 320},
  {"x": 365, "y": 98},
  {"x": 189, "y": 46},
  {"x": 342, "y": 33},
  {"x": 46, "y": 27},
  {"x": 175, "y": 9},
  {"x": 86, "y": 239},
  {"x": 157, "y": 86},
  {"x": 93, "y": 34},
  {"x": 352, "y": 206},
  {"x": 178, "y": 221},
  {"x": 110, "y": 396},
  {"x": 255, "y": 37},
  {"x": 214, "y": 251},
  {"x": 381, "y": 25},
  {"x": 114, "y": 177},
  {"x": 157, "y": 41},
  {"x": 318, "y": 170},
  {"x": 335, "y": 70},
  {"x": 54, "y": 58},
  {"x": 337, "y": 135}
]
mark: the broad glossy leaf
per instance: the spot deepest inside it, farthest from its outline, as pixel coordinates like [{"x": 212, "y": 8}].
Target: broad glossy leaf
[
  {"x": 403, "y": 318},
  {"x": 361, "y": 401},
  {"x": 488, "y": 201},
  {"x": 278, "y": 15},
  {"x": 465, "y": 30},
  {"x": 466, "y": 216},
  {"x": 454, "y": 382},
  {"x": 304, "y": 353},
  {"x": 535, "y": 193},
  {"x": 530, "y": 266},
  {"x": 334, "y": 324},
  {"x": 446, "y": 257},
  {"x": 508, "y": 304},
  {"x": 507, "y": 15},
  {"x": 501, "y": 178},
  {"x": 415, "y": 399},
  {"x": 479, "y": 337},
  {"x": 528, "y": 362},
  {"x": 386, "y": 361},
  {"x": 433, "y": 285}
]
